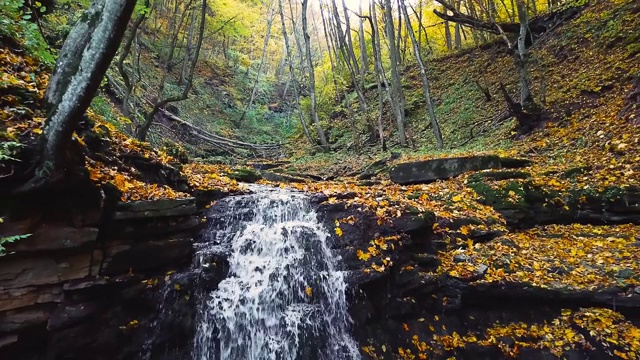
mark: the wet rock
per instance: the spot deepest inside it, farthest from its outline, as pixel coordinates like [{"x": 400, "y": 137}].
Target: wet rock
[
  {"x": 445, "y": 168},
  {"x": 68, "y": 315},
  {"x": 155, "y": 208},
  {"x": 427, "y": 261},
  {"x": 415, "y": 224},
  {"x": 460, "y": 258},
  {"x": 123, "y": 258},
  {"x": 142, "y": 229}
]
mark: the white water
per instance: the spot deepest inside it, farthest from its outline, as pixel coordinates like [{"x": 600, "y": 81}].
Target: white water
[{"x": 278, "y": 254}]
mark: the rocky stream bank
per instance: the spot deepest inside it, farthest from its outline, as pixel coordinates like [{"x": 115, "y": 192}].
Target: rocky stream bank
[{"x": 103, "y": 279}]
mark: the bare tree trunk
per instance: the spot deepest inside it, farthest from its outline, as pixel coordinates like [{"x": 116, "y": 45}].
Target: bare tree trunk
[
  {"x": 296, "y": 94},
  {"x": 84, "y": 59},
  {"x": 425, "y": 81},
  {"x": 331, "y": 50},
  {"x": 348, "y": 55},
  {"x": 129, "y": 79},
  {"x": 363, "y": 47},
  {"x": 380, "y": 77},
  {"x": 262, "y": 60},
  {"x": 526, "y": 99},
  {"x": 352, "y": 54},
  {"x": 143, "y": 130},
  {"x": 396, "y": 82},
  {"x": 188, "y": 52},
  {"x": 312, "y": 79},
  {"x": 447, "y": 33},
  {"x": 457, "y": 30}
]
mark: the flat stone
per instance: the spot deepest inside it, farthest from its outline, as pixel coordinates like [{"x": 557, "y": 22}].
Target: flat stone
[
  {"x": 8, "y": 340},
  {"x": 275, "y": 177},
  {"x": 152, "y": 228},
  {"x": 23, "y": 272},
  {"x": 48, "y": 237},
  {"x": 155, "y": 208},
  {"x": 120, "y": 258},
  {"x": 439, "y": 169},
  {"x": 16, "y": 320},
  {"x": 69, "y": 314},
  {"x": 481, "y": 270},
  {"x": 460, "y": 258},
  {"x": 30, "y": 295}
]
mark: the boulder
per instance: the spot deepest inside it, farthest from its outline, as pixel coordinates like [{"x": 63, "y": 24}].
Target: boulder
[
  {"x": 283, "y": 178},
  {"x": 439, "y": 169}
]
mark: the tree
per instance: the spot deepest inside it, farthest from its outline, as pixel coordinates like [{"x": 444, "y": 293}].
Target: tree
[
  {"x": 397, "y": 94},
  {"x": 262, "y": 60},
  {"x": 289, "y": 60},
  {"x": 526, "y": 111},
  {"x": 312, "y": 79},
  {"x": 164, "y": 100},
  {"x": 84, "y": 59},
  {"x": 425, "y": 81},
  {"x": 129, "y": 78}
]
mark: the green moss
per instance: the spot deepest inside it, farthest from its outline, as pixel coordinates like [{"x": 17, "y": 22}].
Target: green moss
[{"x": 244, "y": 175}]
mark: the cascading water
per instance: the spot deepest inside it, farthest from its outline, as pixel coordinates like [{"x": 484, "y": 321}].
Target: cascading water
[{"x": 284, "y": 297}]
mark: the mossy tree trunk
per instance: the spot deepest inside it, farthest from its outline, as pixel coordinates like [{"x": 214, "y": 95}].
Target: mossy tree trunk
[{"x": 82, "y": 64}]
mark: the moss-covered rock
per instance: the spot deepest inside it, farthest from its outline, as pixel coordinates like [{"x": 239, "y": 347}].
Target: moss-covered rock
[{"x": 244, "y": 175}]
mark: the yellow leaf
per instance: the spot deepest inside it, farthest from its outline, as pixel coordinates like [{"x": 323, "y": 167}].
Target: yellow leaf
[
  {"x": 338, "y": 231},
  {"x": 456, "y": 198},
  {"x": 363, "y": 255},
  {"x": 309, "y": 291}
]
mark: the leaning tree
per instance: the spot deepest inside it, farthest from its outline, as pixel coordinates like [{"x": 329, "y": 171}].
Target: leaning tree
[{"x": 84, "y": 59}]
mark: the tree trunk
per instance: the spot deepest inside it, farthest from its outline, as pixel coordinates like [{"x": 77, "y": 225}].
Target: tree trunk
[
  {"x": 189, "y": 50},
  {"x": 526, "y": 99},
  {"x": 447, "y": 33},
  {"x": 396, "y": 82},
  {"x": 348, "y": 55},
  {"x": 425, "y": 81},
  {"x": 82, "y": 64},
  {"x": 262, "y": 60},
  {"x": 380, "y": 77},
  {"x": 129, "y": 79},
  {"x": 312, "y": 79},
  {"x": 143, "y": 130},
  {"x": 296, "y": 94},
  {"x": 363, "y": 47}
]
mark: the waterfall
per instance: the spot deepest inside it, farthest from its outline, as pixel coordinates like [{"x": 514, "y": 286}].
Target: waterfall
[{"x": 284, "y": 297}]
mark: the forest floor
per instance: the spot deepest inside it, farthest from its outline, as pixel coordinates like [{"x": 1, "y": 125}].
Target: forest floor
[{"x": 587, "y": 153}]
